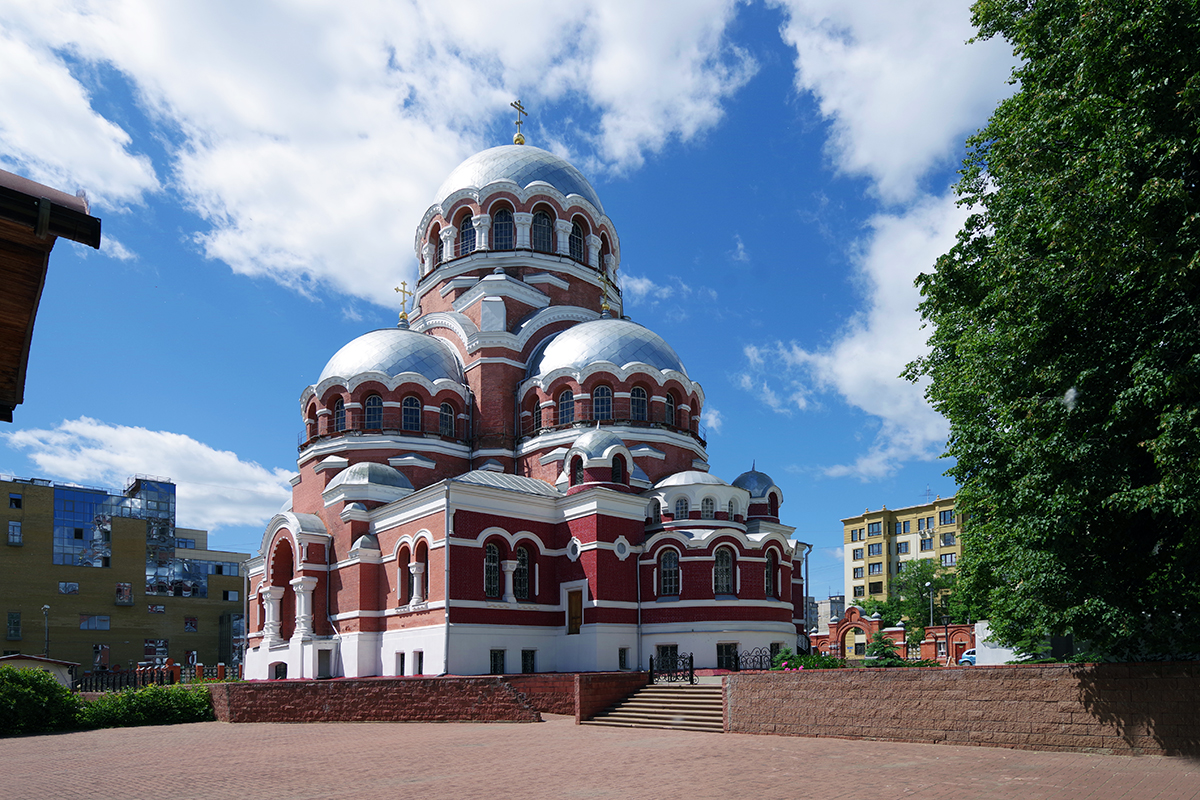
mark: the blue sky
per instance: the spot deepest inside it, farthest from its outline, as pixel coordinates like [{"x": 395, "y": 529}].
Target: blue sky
[{"x": 779, "y": 173}]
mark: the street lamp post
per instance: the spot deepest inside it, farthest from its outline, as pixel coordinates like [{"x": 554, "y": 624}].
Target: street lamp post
[
  {"x": 46, "y": 617},
  {"x": 946, "y": 628},
  {"x": 929, "y": 588}
]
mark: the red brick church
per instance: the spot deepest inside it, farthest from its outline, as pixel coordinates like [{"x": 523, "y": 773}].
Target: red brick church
[{"x": 515, "y": 480}]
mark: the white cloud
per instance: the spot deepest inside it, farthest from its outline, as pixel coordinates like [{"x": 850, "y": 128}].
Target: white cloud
[
  {"x": 113, "y": 248},
  {"x": 898, "y": 82},
  {"x": 712, "y": 419},
  {"x": 292, "y": 128},
  {"x": 214, "y": 487},
  {"x": 739, "y": 252},
  {"x": 865, "y": 360},
  {"x": 637, "y": 289}
]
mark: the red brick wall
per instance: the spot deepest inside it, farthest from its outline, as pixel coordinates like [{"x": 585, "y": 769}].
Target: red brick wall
[
  {"x": 551, "y": 692},
  {"x": 1113, "y": 708},
  {"x": 481, "y": 699},
  {"x": 596, "y": 691}
]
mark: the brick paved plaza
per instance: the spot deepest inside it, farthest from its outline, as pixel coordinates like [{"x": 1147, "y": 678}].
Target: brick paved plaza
[{"x": 553, "y": 759}]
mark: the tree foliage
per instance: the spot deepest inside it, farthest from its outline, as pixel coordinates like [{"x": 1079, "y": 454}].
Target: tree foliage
[{"x": 1065, "y": 346}]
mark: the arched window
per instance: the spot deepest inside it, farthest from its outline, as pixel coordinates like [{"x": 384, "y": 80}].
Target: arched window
[
  {"x": 411, "y": 414},
  {"x": 446, "y": 420},
  {"x": 637, "y": 404},
  {"x": 602, "y": 403},
  {"x": 576, "y": 241},
  {"x": 681, "y": 508},
  {"x": 542, "y": 233},
  {"x": 374, "y": 412},
  {"x": 521, "y": 575},
  {"x": 502, "y": 230},
  {"x": 491, "y": 571},
  {"x": 732, "y": 510},
  {"x": 566, "y": 407},
  {"x": 576, "y": 471},
  {"x": 618, "y": 469},
  {"x": 773, "y": 504},
  {"x": 655, "y": 511},
  {"x": 339, "y": 415},
  {"x": 439, "y": 251},
  {"x": 708, "y": 508},
  {"x": 769, "y": 578},
  {"x": 668, "y": 573},
  {"x": 669, "y": 411},
  {"x": 723, "y": 572},
  {"x": 405, "y": 576},
  {"x": 466, "y": 236}
]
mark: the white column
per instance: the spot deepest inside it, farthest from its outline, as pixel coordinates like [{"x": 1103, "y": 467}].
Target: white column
[
  {"x": 304, "y": 619},
  {"x": 418, "y": 593},
  {"x": 427, "y": 253},
  {"x": 271, "y": 596},
  {"x": 610, "y": 266},
  {"x": 523, "y": 220},
  {"x": 563, "y": 226},
  {"x": 593, "y": 251},
  {"x": 509, "y": 568},
  {"x": 483, "y": 224},
  {"x": 449, "y": 234}
]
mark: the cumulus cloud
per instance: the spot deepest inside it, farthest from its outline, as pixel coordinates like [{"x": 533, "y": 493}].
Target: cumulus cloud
[
  {"x": 739, "y": 252},
  {"x": 864, "y": 361},
  {"x": 897, "y": 81},
  {"x": 309, "y": 124},
  {"x": 637, "y": 289},
  {"x": 214, "y": 488},
  {"x": 712, "y": 419}
]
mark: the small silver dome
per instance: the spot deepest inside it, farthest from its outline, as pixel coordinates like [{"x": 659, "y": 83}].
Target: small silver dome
[
  {"x": 522, "y": 164},
  {"x": 595, "y": 443},
  {"x": 616, "y": 340},
  {"x": 368, "y": 472},
  {"x": 754, "y": 482},
  {"x": 689, "y": 478},
  {"x": 393, "y": 351}
]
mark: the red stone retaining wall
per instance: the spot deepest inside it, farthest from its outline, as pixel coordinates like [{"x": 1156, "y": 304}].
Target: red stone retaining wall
[
  {"x": 549, "y": 692},
  {"x": 477, "y": 699},
  {"x": 1107, "y": 708},
  {"x": 596, "y": 691}
]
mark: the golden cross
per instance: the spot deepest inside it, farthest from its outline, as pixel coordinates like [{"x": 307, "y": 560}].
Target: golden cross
[
  {"x": 405, "y": 294},
  {"x": 606, "y": 285},
  {"x": 520, "y": 137}
]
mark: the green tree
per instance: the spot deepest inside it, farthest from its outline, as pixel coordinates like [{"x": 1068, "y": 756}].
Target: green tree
[{"x": 1065, "y": 346}]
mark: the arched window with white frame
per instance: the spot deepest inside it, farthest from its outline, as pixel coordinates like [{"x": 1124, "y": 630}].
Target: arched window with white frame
[
  {"x": 601, "y": 402},
  {"x": 708, "y": 508},
  {"x": 566, "y": 407},
  {"x": 637, "y": 404},
  {"x": 339, "y": 415},
  {"x": 668, "y": 574},
  {"x": 373, "y": 413},
  {"x": 681, "y": 508},
  {"x": 521, "y": 574},
  {"x": 769, "y": 584},
  {"x": 732, "y": 510},
  {"x": 446, "y": 420},
  {"x": 491, "y": 571},
  {"x": 410, "y": 419},
  {"x": 502, "y": 230},
  {"x": 723, "y": 571},
  {"x": 575, "y": 241},
  {"x": 655, "y": 511},
  {"x": 466, "y": 236},
  {"x": 542, "y": 233},
  {"x": 669, "y": 411}
]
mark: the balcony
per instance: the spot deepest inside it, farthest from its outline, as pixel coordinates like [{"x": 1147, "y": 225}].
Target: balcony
[
  {"x": 390, "y": 422},
  {"x": 616, "y": 411}
]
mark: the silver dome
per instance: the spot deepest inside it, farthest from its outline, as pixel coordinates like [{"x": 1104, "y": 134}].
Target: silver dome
[
  {"x": 521, "y": 164},
  {"x": 394, "y": 351},
  {"x": 368, "y": 472},
  {"x": 595, "y": 443},
  {"x": 690, "y": 477},
  {"x": 616, "y": 340},
  {"x": 754, "y": 482}
]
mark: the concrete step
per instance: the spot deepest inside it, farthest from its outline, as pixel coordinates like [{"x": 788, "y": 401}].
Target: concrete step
[{"x": 691, "y": 708}]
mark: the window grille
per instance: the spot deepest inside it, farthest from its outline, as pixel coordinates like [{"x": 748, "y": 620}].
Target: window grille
[
  {"x": 502, "y": 230},
  {"x": 637, "y": 404},
  {"x": 668, "y": 574},
  {"x": 374, "y": 412},
  {"x": 497, "y": 665},
  {"x": 491, "y": 571},
  {"x": 681, "y": 508},
  {"x": 566, "y": 407},
  {"x": 542, "y": 233},
  {"x": 528, "y": 661},
  {"x": 446, "y": 420},
  {"x": 655, "y": 511},
  {"x": 411, "y": 414},
  {"x": 602, "y": 403},
  {"x": 521, "y": 575},
  {"x": 339, "y": 415},
  {"x": 576, "y": 242},
  {"x": 723, "y": 572},
  {"x": 466, "y": 236},
  {"x": 708, "y": 508}
]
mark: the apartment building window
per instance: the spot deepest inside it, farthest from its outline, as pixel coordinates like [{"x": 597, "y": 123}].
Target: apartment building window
[
  {"x": 901, "y": 548},
  {"x": 900, "y": 567},
  {"x": 14, "y": 534},
  {"x": 191, "y": 625},
  {"x": 859, "y": 591},
  {"x": 156, "y": 609},
  {"x": 929, "y": 523},
  {"x": 949, "y": 559},
  {"x": 858, "y": 572},
  {"x": 528, "y": 661},
  {"x": 68, "y": 587},
  {"x": 14, "y": 501},
  {"x": 875, "y": 549},
  {"x": 875, "y": 568},
  {"x": 874, "y": 528},
  {"x": 230, "y": 594},
  {"x": 876, "y": 587},
  {"x": 124, "y": 594},
  {"x": 858, "y": 554},
  {"x": 926, "y": 544},
  {"x": 906, "y": 526},
  {"x": 921, "y": 524},
  {"x": 497, "y": 662},
  {"x": 14, "y": 626},
  {"x": 947, "y": 540},
  {"x": 94, "y": 622},
  {"x": 946, "y": 517},
  {"x": 898, "y": 528}
]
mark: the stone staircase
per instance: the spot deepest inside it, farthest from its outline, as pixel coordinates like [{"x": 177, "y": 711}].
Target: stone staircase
[{"x": 675, "y": 706}]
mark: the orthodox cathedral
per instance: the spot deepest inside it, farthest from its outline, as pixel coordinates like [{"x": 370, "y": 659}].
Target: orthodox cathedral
[{"x": 515, "y": 479}]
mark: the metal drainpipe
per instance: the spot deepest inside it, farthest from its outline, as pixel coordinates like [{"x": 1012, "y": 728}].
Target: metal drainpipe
[
  {"x": 446, "y": 579},
  {"x": 637, "y": 574}
]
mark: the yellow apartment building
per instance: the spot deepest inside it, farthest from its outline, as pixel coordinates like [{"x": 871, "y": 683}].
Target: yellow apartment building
[{"x": 879, "y": 543}]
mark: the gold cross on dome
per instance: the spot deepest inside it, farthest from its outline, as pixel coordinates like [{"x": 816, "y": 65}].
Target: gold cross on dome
[
  {"x": 405, "y": 294},
  {"x": 519, "y": 138},
  {"x": 606, "y": 286}
]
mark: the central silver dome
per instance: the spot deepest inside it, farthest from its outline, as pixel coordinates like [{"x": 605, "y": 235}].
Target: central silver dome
[
  {"x": 394, "y": 351},
  {"x": 523, "y": 165},
  {"x": 618, "y": 341}
]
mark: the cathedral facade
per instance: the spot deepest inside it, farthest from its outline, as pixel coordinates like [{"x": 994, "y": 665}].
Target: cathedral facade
[{"x": 516, "y": 479}]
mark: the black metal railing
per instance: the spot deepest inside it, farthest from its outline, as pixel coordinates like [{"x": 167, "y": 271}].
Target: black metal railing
[
  {"x": 124, "y": 679},
  {"x": 673, "y": 670},
  {"x": 758, "y": 658}
]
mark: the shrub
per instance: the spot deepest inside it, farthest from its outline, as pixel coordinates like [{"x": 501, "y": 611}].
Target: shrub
[
  {"x": 787, "y": 660},
  {"x": 150, "y": 705},
  {"x": 32, "y": 701}
]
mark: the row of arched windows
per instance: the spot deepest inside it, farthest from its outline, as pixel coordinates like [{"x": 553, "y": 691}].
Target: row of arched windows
[
  {"x": 493, "y": 585},
  {"x": 408, "y": 580},
  {"x": 619, "y": 473},
  {"x": 503, "y": 236},
  {"x": 724, "y": 576},
  {"x": 708, "y": 509},
  {"x": 603, "y": 407},
  {"x": 410, "y": 416}
]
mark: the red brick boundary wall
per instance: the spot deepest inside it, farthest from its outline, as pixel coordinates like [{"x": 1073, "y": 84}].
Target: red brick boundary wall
[
  {"x": 477, "y": 699},
  {"x": 1105, "y": 708},
  {"x": 596, "y": 691},
  {"x": 548, "y": 692}
]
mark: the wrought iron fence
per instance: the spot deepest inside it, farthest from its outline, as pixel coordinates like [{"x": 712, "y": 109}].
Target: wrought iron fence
[
  {"x": 618, "y": 410},
  {"x": 758, "y": 658},
  {"x": 672, "y": 670},
  {"x": 124, "y": 679},
  {"x": 389, "y": 420}
]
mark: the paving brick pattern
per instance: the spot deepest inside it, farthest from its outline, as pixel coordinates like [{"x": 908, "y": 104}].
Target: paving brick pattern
[{"x": 554, "y": 759}]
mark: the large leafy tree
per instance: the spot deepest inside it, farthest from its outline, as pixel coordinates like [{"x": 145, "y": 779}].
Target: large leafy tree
[{"x": 1065, "y": 346}]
